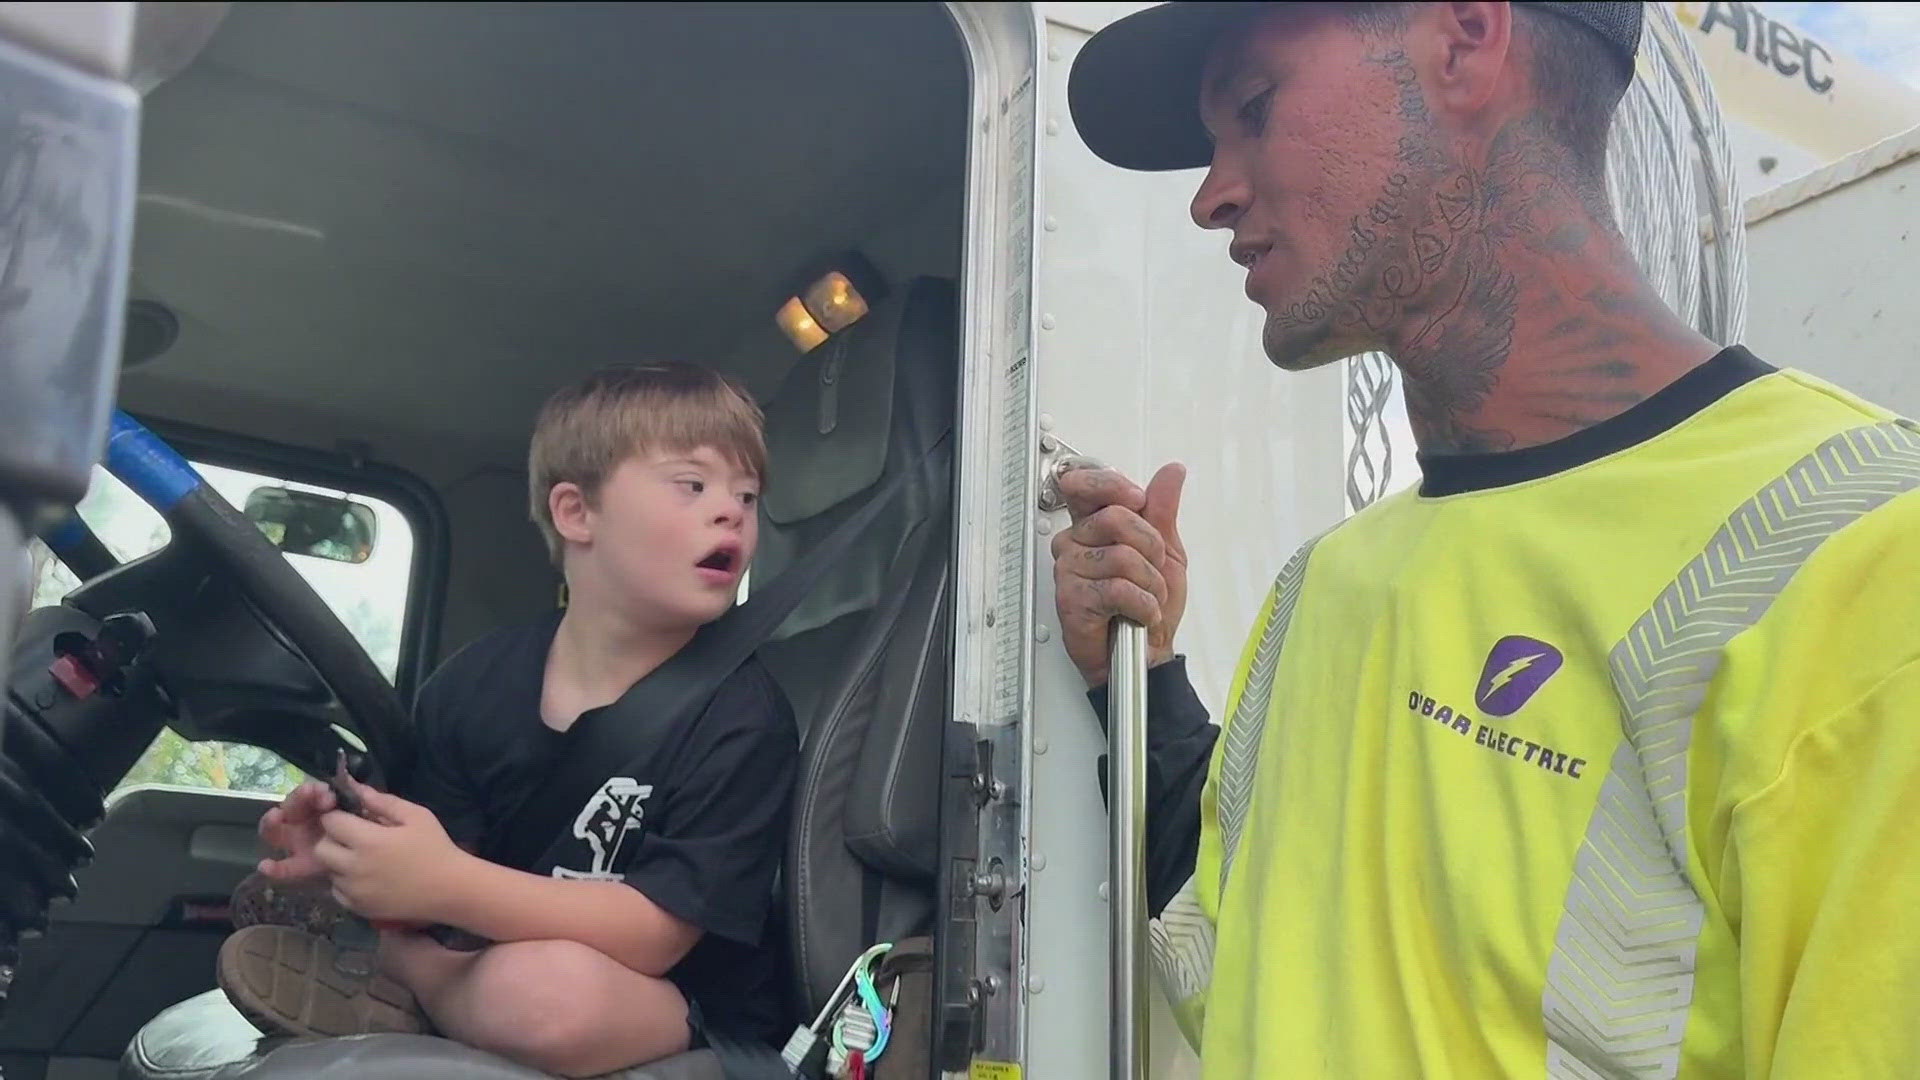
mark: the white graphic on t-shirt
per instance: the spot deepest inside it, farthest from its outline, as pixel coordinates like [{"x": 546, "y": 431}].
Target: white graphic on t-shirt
[{"x": 614, "y": 813}]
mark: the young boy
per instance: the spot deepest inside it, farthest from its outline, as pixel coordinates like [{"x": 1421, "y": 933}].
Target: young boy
[{"x": 654, "y": 931}]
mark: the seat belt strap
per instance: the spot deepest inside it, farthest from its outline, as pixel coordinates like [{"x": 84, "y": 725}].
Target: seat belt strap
[{"x": 541, "y": 830}]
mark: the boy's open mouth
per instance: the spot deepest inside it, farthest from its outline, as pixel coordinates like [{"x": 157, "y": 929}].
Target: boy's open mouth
[{"x": 722, "y": 559}]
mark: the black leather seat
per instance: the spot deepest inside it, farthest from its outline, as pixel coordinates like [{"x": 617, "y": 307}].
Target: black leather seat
[{"x": 863, "y": 851}]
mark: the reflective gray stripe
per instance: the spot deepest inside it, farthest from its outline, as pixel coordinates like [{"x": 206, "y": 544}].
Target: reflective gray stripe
[
  {"x": 1620, "y": 983},
  {"x": 1182, "y": 938},
  {"x": 1182, "y": 943},
  {"x": 1241, "y": 755}
]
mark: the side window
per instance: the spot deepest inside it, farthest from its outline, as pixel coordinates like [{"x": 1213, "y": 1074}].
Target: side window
[{"x": 369, "y": 596}]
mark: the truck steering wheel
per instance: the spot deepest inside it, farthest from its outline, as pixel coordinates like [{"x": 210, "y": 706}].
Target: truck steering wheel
[{"x": 244, "y": 646}]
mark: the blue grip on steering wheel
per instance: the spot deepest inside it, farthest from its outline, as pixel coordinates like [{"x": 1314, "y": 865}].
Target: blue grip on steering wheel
[{"x": 148, "y": 466}]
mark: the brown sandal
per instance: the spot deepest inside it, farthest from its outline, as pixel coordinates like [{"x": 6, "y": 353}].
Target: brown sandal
[{"x": 287, "y": 981}]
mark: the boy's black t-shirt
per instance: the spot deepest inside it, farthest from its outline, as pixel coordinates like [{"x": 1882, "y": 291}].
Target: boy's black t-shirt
[{"x": 697, "y": 824}]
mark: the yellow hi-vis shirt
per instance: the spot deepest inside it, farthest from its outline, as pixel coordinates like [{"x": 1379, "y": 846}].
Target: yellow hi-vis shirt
[{"x": 1613, "y": 772}]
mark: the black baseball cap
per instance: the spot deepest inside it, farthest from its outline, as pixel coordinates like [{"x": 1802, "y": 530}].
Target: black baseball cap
[{"x": 1134, "y": 92}]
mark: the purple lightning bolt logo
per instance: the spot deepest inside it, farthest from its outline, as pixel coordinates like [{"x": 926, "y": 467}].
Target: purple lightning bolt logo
[{"x": 1516, "y": 670}]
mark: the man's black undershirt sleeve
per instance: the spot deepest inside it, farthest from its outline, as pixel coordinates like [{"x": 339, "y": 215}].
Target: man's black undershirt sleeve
[{"x": 1179, "y": 745}]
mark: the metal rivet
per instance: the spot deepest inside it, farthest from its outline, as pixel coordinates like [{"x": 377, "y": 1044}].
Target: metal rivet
[
  {"x": 1039, "y": 862},
  {"x": 1053, "y": 127},
  {"x": 1041, "y": 746},
  {"x": 1046, "y": 322},
  {"x": 1049, "y": 444},
  {"x": 1052, "y": 224},
  {"x": 1044, "y": 526},
  {"x": 1042, "y": 635},
  {"x": 1103, "y": 892},
  {"x": 1046, "y": 421},
  {"x": 1054, "y": 53},
  {"x": 1036, "y": 984}
]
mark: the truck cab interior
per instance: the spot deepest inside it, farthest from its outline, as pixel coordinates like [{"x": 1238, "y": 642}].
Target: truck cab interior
[{"x": 371, "y": 239}]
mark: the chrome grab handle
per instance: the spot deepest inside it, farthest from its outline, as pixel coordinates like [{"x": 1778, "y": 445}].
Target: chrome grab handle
[
  {"x": 1126, "y": 808},
  {"x": 1127, "y": 851}
]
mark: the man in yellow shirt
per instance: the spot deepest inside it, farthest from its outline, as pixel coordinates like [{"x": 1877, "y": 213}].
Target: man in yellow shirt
[{"x": 1597, "y": 755}]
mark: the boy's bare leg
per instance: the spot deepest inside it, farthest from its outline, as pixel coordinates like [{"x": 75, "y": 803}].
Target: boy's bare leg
[
  {"x": 556, "y": 1006},
  {"x": 420, "y": 963}
]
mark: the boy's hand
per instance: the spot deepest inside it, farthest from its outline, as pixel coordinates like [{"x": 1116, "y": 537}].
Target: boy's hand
[
  {"x": 293, "y": 828},
  {"x": 394, "y": 867}
]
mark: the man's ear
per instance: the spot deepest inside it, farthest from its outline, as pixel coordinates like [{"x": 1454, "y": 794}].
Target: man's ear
[
  {"x": 1465, "y": 48},
  {"x": 572, "y": 514}
]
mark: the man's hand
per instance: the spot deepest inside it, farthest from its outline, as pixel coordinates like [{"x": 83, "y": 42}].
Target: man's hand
[
  {"x": 293, "y": 828},
  {"x": 1122, "y": 557},
  {"x": 395, "y": 867}
]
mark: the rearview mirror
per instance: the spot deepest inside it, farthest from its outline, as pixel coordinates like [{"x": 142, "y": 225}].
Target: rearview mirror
[{"x": 319, "y": 526}]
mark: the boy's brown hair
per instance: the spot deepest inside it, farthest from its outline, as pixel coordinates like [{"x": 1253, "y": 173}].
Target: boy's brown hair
[{"x": 587, "y": 429}]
